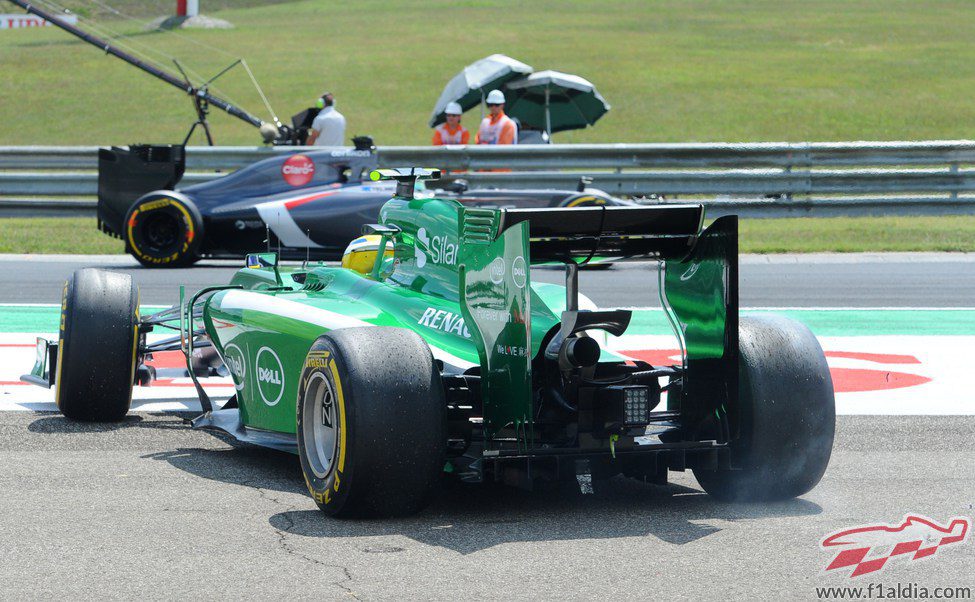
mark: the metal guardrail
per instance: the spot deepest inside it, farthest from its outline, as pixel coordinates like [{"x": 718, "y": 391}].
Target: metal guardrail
[
  {"x": 877, "y": 177},
  {"x": 556, "y": 156},
  {"x": 639, "y": 183}
]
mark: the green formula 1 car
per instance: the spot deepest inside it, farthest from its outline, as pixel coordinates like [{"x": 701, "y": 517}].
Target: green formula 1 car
[{"x": 443, "y": 359}]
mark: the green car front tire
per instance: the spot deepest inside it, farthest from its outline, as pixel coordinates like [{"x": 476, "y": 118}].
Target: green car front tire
[
  {"x": 371, "y": 427},
  {"x": 97, "y": 346}
]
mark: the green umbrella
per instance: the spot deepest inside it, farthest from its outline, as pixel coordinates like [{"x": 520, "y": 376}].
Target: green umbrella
[
  {"x": 469, "y": 87},
  {"x": 554, "y": 101}
]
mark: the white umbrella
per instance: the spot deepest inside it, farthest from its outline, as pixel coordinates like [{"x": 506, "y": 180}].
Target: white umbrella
[{"x": 471, "y": 85}]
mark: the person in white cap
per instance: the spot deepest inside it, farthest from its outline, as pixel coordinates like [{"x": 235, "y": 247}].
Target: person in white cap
[
  {"x": 451, "y": 132},
  {"x": 497, "y": 128}
]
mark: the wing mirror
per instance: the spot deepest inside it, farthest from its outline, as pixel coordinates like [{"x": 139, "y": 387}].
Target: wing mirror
[{"x": 257, "y": 261}]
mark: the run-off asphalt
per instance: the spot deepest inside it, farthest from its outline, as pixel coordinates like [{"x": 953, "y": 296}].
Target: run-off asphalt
[{"x": 149, "y": 508}]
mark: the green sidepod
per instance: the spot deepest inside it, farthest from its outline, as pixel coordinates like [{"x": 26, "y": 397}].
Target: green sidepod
[{"x": 264, "y": 331}]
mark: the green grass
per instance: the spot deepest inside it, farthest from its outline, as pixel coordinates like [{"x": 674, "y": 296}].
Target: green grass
[
  {"x": 55, "y": 235},
  {"x": 688, "y": 70},
  {"x": 861, "y": 234},
  {"x": 799, "y": 235}
]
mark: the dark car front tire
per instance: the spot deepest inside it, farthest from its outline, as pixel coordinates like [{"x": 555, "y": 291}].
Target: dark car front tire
[
  {"x": 97, "y": 346},
  {"x": 371, "y": 428},
  {"x": 787, "y": 411},
  {"x": 164, "y": 230}
]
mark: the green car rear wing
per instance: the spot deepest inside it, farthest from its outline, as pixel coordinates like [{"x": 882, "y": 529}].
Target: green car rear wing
[
  {"x": 698, "y": 290},
  {"x": 581, "y": 233}
]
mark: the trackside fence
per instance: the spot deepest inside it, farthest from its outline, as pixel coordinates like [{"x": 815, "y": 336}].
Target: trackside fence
[{"x": 757, "y": 179}]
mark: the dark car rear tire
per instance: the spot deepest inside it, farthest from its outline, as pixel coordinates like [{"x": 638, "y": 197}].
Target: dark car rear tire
[
  {"x": 590, "y": 199},
  {"x": 787, "y": 411},
  {"x": 586, "y": 199},
  {"x": 372, "y": 431},
  {"x": 163, "y": 230},
  {"x": 97, "y": 346}
]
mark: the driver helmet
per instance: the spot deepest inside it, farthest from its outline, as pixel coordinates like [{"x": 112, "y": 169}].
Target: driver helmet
[{"x": 360, "y": 255}]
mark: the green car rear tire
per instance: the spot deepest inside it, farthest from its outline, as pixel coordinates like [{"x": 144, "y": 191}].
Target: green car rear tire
[
  {"x": 787, "y": 412},
  {"x": 97, "y": 346},
  {"x": 372, "y": 431}
]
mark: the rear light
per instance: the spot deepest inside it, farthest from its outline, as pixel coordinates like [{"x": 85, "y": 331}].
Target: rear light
[
  {"x": 636, "y": 405},
  {"x": 622, "y": 407}
]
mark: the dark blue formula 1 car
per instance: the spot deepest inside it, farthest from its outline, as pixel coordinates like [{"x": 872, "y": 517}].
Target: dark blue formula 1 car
[{"x": 307, "y": 204}]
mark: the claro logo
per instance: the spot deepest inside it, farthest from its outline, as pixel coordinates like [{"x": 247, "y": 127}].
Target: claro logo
[
  {"x": 437, "y": 249},
  {"x": 298, "y": 170},
  {"x": 270, "y": 375}
]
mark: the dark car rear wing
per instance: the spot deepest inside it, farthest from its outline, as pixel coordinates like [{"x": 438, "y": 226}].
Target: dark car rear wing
[
  {"x": 127, "y": 173},
  {"x": 664, "y": 231}
]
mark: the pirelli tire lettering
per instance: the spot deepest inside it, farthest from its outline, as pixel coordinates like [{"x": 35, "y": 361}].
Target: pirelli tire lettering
[
  {"x": 163, "y": 229},
  {"x": 367, "y": 395},
  {"x": 322, "y": 419}
]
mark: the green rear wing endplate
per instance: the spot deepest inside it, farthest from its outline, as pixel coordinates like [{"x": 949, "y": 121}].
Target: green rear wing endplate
[
  {"x": 700, "y": 294},
  {"x": 494, "y": 293}
]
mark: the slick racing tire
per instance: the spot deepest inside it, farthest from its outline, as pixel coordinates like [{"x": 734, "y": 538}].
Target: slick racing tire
[
  {"x": 163, "y": 230},
  {"x": 372, "y": 430},
  {"x": 787, "y": 414},
  {"x": 97, "y": 346}
]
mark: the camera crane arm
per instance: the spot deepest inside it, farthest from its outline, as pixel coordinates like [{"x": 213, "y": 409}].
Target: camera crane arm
[{"x": 201, "y": 96}]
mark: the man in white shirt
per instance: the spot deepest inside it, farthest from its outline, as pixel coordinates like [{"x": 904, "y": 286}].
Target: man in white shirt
[{"x": 328, "y": 129}]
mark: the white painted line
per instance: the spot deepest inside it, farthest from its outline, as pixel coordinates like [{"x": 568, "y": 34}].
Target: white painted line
[
  {"x": 162, "y": 405},
  {"x": 585, "y": 305},
  {"x": 816, "y": 308}
]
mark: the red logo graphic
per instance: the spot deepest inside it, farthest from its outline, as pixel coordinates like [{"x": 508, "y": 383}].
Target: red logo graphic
[
  {"x": 298, "y": 170},
  {"x": 868, "y": 548},
  {"x": 169, "y": 365},
  {"x": 845, "y": 380}
]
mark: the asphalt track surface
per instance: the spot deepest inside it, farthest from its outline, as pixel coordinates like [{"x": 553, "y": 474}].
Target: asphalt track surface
[
  {"x": 829, "y": 280},
  {"x": 149, "y": 508}
]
